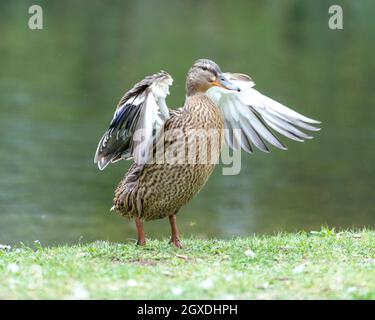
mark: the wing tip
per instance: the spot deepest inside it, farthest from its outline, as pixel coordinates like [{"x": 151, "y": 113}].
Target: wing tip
[
  {"x": 98, "y": 160},
  {"x": 314, "y": 129},
  {"x": 309, "y": 120},
  {"x": 101, "y": 162},
  {"x": 101, "y": 168}
]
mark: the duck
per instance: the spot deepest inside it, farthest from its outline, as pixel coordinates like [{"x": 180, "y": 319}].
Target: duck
[{"x": 174, "y": 151}]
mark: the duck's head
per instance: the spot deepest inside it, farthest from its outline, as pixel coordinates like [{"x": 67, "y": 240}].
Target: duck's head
[{"x": 205, "y": 74}]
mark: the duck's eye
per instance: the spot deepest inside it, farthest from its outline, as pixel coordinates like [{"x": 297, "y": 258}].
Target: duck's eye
[{"x": 204, "y": 68}]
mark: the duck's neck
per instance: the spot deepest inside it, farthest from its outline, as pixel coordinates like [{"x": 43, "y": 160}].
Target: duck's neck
[
  {"x": 198, "y": 102},
  {"x": 203, "y": 109}
]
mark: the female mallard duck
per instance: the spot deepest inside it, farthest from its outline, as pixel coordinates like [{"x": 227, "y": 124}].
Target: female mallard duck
[{"x": 160, "y": 181}]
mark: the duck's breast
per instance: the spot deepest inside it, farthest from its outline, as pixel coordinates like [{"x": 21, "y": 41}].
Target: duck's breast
[{"x": 192, "y": 139}]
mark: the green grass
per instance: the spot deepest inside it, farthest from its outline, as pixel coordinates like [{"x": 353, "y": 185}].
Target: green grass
[{"x": 323, "y": 264}]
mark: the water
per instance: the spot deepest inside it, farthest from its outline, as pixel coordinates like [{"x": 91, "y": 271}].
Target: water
[{"x": 59, "y": 87}]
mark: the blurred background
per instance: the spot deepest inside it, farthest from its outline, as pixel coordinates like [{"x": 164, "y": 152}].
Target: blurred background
[{"x": 59, "y": 87}]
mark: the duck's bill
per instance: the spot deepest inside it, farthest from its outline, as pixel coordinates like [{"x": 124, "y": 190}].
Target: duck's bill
[{"x": 223, "y": 82}]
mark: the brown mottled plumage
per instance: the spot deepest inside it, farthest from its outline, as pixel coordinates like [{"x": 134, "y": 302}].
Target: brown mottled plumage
[
  {"x": 154, "y": 191},
  {"x": 214, "y": 101}
]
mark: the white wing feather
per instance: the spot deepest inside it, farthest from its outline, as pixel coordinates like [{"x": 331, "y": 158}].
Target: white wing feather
[
  {"x": 139, "y": 116},
  {"x": 255, "y": 115}
]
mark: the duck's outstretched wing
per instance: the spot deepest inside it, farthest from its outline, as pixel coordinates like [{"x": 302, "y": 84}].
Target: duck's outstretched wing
[
  {"x": 140, "y": 114},
  {"x": 250, "y": 117}
]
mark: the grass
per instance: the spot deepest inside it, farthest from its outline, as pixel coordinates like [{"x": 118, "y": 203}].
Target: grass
[{"x": 323, "y": 265}]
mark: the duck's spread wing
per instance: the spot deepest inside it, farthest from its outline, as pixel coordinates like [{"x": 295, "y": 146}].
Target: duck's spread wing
[
  {"x": 140, "y": 114},
  {"x": 251, "y": 117}
]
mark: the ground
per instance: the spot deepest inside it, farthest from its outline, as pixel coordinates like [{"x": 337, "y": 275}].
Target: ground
[{"x": 323, "y": 264}]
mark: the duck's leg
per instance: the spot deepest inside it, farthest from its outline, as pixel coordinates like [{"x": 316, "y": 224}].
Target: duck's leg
[
  {"x": 141, "y": 234},
  {"x": 175, "y": 239}
]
